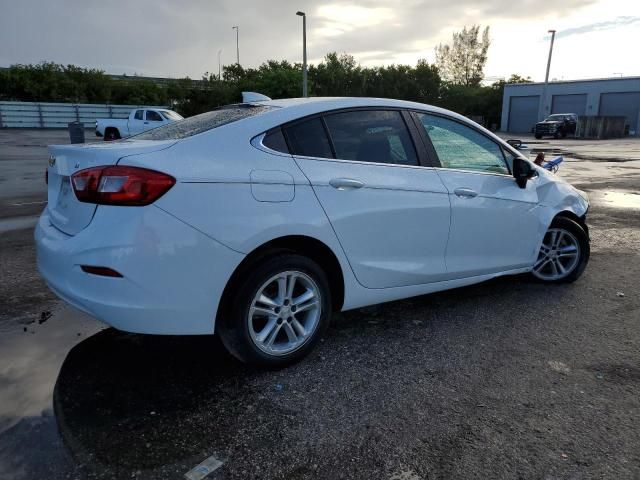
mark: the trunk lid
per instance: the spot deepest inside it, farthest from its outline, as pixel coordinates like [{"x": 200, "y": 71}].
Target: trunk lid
[{"x": 66, "y": 212}]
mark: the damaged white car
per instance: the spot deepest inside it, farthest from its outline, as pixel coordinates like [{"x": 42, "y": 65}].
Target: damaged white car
[{"x": 257, "y": 220}]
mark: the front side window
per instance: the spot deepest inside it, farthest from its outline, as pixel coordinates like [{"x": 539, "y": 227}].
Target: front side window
[
  {"x": 153, "y": 116},
  {"x": 309, "y": 139},
  {"x": 461, "y": 147},
  {"x": 138, "y": 115},
  {"x": 378, "y": 136}
]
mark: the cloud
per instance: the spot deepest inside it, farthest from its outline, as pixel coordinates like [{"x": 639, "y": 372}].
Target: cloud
[
  {"x": 598, "y": 26},
  {"x": 177, "y": 38}
]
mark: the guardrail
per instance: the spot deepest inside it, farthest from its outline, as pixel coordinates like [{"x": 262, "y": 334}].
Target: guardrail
[{"x": 58, "y": 115}]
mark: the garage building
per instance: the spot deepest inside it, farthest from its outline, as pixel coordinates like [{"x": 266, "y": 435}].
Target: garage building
[{"x": 523, "y": 105}]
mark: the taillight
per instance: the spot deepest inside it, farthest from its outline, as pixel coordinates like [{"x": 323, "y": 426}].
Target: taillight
[{"x": 120, "y": 185}]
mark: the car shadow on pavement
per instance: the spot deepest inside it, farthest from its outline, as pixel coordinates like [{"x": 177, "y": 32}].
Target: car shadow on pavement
[{"x": 139, "y": 404}]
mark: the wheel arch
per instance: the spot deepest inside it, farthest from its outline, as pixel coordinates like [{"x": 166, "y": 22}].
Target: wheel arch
[
  {"x": 310, "y": 247},
  {"x": 572, "y": 216}
]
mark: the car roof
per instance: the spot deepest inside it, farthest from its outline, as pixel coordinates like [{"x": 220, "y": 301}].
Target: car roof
[{"x": 289, "y": 109}]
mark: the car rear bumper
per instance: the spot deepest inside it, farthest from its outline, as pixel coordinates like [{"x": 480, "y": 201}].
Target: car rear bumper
[{"x": 172, "y": 275}]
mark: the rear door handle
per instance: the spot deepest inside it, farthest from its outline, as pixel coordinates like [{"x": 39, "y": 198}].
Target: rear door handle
[
  {"x": 345, "y": 183},
  {"x": 465, "y": 192}
]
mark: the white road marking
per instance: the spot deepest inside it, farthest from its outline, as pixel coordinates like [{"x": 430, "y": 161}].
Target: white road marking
[{"x": 28, "y": 203}]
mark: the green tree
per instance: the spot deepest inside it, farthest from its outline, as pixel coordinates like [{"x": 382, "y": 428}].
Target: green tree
[{"x": 462, "y": 62}]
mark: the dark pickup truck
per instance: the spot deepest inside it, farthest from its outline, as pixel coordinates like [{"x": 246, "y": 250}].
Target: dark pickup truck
[{"x": 557, "y": 125}]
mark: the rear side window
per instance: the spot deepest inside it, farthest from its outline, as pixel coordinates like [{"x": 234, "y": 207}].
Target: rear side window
[
  {"x": 309, "y": 139},
  {"x": 378, "y": 136},
  {"x": 275, "y": 141},
  {"x": 203, "y": 122},
  {"x": 138, "y": 115}
]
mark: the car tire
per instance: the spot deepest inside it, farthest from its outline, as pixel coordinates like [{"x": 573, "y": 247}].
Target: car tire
[
  {"x": 111, "y": 134},
  {"x": 564, "y": 252},
  {"x": 247, "y": 330},
  {"x": 538, "y": 136}
]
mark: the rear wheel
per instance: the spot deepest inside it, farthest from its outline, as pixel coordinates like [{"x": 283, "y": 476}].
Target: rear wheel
[
  {"x": 280, "y": 310},
  {"x": 111, "y": 134},
  {"x": 538, "y": 136},
  {"x": 564, "y": 252}
]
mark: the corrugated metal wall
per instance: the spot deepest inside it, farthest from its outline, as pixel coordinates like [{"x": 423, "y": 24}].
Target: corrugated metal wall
[{"x": 58, "y": 115}]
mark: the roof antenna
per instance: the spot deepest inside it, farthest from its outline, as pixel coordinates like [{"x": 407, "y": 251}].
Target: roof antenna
[{"x": 248, "y": 97}]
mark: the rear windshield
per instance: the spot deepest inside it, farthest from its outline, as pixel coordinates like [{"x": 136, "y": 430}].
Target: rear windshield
[{"x": 203, "y": 122}]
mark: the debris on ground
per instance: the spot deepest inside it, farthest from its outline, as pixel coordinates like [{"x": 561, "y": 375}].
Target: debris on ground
[
  {"x": 559, "y": 367},
  {"x": 200, "y": 471},
  {"x": 44, "y": 316},
  {"x": 620, "y": 294}
]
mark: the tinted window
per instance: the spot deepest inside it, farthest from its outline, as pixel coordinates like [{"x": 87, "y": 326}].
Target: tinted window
[
  {"x": 379, "y": 136},
  {"x": 309, "y": 139},
  {"x": 138, "y": 115},
  {"x": 462, "y": 147},
  {"x": 153, "y": 116},
  {"x": 275, "y": 141},
  {"x": 203, "y": 122}
]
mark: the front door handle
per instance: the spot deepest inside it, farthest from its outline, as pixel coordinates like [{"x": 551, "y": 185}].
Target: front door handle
[
  {"x": 465, "y": 192},
  {"x": 345, "y": 183}
]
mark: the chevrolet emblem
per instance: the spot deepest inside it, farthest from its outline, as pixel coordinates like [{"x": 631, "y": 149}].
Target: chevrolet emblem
[{"x": 52, "y": 160}]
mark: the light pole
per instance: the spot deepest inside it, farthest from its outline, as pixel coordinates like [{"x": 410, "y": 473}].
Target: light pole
[
  {"x": 546, "y": 77},
  {"x": 305, "y": 92},
  {"x": 219, "y": 65},
  {"x": 237, "y": 29}
]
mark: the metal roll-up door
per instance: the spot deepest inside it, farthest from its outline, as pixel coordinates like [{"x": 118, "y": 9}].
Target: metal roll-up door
[
  {"x": 523, "y": 113},
  {"x": 573, "y": 103},
  {"x": 625, "y": 104}
]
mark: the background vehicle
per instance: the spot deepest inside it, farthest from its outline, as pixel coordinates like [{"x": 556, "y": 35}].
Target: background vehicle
[
  {"x": 139, "y": 121},
  {"x": 257, "y": 220},
  {"x": 557, "y": 125}
]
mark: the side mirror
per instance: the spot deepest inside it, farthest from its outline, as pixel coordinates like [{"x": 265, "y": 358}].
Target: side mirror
[{"x": 522, "y": 171}]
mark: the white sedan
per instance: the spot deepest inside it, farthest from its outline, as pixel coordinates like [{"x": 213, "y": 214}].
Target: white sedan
[{"x": 257, "y": 220}]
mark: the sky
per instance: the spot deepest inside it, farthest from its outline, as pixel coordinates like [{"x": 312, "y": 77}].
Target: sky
[{"x": 177, "y": 38}]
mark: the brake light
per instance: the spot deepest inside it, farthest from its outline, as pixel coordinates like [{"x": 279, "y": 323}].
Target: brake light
[{"x": 120, "y": 185}]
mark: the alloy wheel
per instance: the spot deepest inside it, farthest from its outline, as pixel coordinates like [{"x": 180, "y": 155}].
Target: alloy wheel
[
  {"x": 559, "y": 255},
  {"x": 284, "y": 313}
]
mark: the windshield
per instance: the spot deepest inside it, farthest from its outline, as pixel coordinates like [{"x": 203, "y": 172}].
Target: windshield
[
  {"x": 171, "y": 115},
  {"x": 556, "y": 118},
  {"x": 203, "y": 122}
]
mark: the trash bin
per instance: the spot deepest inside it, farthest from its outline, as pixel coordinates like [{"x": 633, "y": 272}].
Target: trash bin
[{"x": 76, "y": 132}]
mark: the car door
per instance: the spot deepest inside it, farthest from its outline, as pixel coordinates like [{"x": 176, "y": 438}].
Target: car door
[
  {"x": 494, "y": 223},
  {"x": 153, "y": 120},
  {"x": 390, "y": 214},
  {"x": 136, "y": 124}
]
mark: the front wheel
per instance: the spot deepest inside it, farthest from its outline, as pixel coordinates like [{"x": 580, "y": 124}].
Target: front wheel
[
  {"x": 564, "y": 252},
  {"x": 538, "y": 136},
  {"x": 281, "y": 309}
]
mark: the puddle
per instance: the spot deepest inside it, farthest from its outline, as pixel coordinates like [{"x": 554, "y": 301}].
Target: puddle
[
  {"x": 618, "y": 199},
  {"x": 30, "y": 361}
]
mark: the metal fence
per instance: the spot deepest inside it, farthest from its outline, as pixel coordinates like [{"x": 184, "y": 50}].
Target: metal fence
[{"x": 58, "y": 115}]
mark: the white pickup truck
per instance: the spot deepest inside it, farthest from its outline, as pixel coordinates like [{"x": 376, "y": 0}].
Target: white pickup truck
[{"x": 139, "y": 121}]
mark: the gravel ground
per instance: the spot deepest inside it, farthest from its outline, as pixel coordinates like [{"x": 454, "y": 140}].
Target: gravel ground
[{"x": 507, "y": 379}]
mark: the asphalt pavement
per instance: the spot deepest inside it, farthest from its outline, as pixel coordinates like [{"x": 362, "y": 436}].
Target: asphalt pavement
[{"x": 506, "y": 379}]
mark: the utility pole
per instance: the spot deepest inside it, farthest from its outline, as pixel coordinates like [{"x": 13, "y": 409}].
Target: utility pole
[
  {"x": 237, "y": 29},
  {"x": 305, "y": 92},
  {"x": 546, "y": 77},
  {"x": 219, "y": 65}
]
